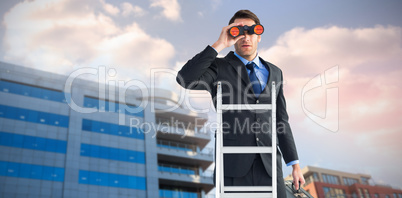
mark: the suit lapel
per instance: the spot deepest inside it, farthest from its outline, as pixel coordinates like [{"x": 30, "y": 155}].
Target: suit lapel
[
  {"x": 269, "y": 81},
  {"x": 238, "y": 66},
  {"x": 242, "y": 72}
]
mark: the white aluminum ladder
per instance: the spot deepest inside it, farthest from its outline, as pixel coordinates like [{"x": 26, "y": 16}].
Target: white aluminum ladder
[{"x": 235, "y": 191}]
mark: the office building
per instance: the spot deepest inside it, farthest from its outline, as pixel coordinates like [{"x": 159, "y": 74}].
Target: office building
[
  {"x": 324, "y": 183},
  {"x": 63, "y": 136}
]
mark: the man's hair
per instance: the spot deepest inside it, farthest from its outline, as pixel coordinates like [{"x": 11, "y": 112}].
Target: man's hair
[{"x": 244, "y": 14}]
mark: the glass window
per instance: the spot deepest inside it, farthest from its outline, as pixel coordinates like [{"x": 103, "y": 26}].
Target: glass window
[
  {"x": 31, "y": 171},
  {"x": 36, "y": 172},
  {"x": 109, "y": 106},
  {"x": 334, "y": 192},
  {"x": 114, "y": 129},
  {"x": 43, "y": 117},
  {"x": 31, "y": 91},
  {"x": 46, "y": 94},
  {"x": 93, "y": 178},
  {"x": 12, "y": 169},
  {"x": 32, "y": 116},
  {"x": 18, "y": 140},
  {"x": 361, "y": 193},
  {"x": 31, "y": 142},
  {"x": 104, "y": 152},
  {"x": 315, "y": 177},
  {"x": 51, "y": 146},
  {"x": 25, "y": 171},
  {"x": 21, "y": 114},
  {"x": 35, "y": 92},
  {"x": 86, "y": 125},
  {"x": 2, "y": 110},
  {"x": 114, "y": 180},
  {"x": 103, "y": 179},
  {"x": 40, "y": 143},
  {"x": 177, "y": 193},
  {"x": 123, "y": 181},
  {"x": 10, "y": 112},
  {"x": 112, "y": 153},
  {"x": 111, "y": 129},
  {"x": 365, "y": 180},
  {"x": 83, "y": 177},
  {"x": 366, "y": 193},
  {"x": 6, "y": 139},
  {"x": 58, "y": 174},
  {"x": 122, "y": 155},
  {"x": 10, "y": 87},
  {"x": 349, "y": 181},
  {"x": 25, "y": 91},
  {"x": 95, "y": 126}
]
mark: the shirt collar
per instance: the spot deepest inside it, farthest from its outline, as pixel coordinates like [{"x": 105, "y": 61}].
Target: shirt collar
[{"x": 256, "y": 60}]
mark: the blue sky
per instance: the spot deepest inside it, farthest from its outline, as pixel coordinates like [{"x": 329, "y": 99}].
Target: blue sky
[{"x": 358, "y": 42}]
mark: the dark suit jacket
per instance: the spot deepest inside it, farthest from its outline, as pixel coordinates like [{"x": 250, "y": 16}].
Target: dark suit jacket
[{"x": 241, "y": 128}]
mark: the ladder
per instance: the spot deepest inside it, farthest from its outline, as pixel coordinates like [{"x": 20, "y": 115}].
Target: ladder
[{"x": 223, "y": 191}]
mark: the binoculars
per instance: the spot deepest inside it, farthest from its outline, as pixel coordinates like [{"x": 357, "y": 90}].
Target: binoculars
[{"x": 236, "y": 31}]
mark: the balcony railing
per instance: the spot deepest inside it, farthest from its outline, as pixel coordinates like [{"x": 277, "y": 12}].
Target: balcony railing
[
  {"x": 177, "y": 169},
  {"x": 184, "y": 147},
  {"x": 188, "y": 127},
  {"x": 177, "y": 194},
  {"x": 176, "y": 145}
]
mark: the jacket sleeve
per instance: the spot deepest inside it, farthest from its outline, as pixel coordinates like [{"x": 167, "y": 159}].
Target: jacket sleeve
[
  {"x": 286, "y": 141},
  {"x": 200, "y": 72}
]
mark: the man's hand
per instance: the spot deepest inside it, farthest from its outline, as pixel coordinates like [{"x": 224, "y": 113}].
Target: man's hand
[
  {"x": 225, "y": 40},
  {"x": 297, "y": 176}
]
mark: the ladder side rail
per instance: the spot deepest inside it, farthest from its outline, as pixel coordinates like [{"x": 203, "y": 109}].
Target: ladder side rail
[
  {"x": 219, "y": 172},
  {"x": 273, "y": 137},
  {"x": 219, "y": 143}
]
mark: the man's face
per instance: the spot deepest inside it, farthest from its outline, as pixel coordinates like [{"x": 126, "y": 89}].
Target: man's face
[{"x": 247, "y": 46}]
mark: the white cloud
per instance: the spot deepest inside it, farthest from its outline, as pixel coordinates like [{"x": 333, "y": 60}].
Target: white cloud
[
  {"x": 129, "y": 9},
  {"x": 216, "y": 4},
  {"x": 369, "y": 94},
  {"x": 109, "y": 8},
  {"x": 58, "y": 37},
  {"x": 171, "y": 8},
  {"x": 330, "y": 46}
]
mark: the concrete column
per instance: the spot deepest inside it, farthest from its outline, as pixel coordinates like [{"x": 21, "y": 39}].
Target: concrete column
[{"x": 151, "y": 156}]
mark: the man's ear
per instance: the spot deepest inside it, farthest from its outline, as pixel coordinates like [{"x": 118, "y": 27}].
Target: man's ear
[{"x": 259, "y": 38}]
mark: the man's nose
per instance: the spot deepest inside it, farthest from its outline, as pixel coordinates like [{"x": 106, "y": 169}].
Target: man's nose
[{"x": 246, "y": 36}]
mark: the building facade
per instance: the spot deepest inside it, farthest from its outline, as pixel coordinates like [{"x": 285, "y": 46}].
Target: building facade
[
  {"x": 62, "y": 136},
  {"x": 324, "y": 183}
]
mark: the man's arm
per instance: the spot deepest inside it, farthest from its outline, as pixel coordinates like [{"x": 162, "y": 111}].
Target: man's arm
[
  {"x": 225, "y": 40},
  {"x": 200, "y": 72},
  {"x": 286, "y": 140}
]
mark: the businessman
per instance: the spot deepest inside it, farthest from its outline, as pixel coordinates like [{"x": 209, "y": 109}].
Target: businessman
[{"x": 246, "y": 79}]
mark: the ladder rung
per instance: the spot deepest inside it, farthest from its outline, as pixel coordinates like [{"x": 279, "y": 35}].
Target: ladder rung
[
  {"x": 248, "y": 188},
  {"x": 242, "y": 195},
  {"x": 246, "y": 106},
  {"x": 246, "y": 149}
]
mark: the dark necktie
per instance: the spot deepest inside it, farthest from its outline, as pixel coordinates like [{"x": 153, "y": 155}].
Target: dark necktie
[{"x": 253, "y": 79}]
